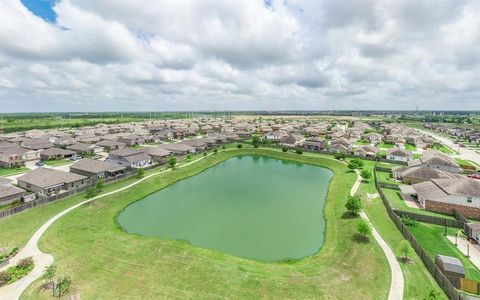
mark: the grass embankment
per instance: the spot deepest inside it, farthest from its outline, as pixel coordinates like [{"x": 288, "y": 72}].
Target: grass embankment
[
  {"x": 87, "y": 244},
  {"x": 432, "y": 239},
  {"x": 13, "y": 171},
  {"x": 414, "y": 271}
]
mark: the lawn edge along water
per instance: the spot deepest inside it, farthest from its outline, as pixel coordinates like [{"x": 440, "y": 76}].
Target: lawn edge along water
[
  {"x": 223, "y": 160},
  {"x": 363, "y": 267}
]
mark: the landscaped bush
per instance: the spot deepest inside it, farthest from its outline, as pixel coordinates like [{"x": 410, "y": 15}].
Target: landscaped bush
[
  {"x": 284, "y": 149},
  {"x": 407, "y": 221},
  {"x": 299, "y": 151},
  {"x": 5, "y": 278},
  {"x": 239, "y": 146},
  {"x": 189, "y": 157},
  {"x": 25, "y": 262}
]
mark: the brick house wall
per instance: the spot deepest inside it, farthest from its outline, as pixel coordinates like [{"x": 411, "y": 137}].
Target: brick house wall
[{"x": 448, "y": 208}]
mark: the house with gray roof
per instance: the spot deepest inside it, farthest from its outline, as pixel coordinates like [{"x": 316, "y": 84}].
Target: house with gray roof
[
  {"x": 55, "y": 153},
  {"x": 437, "y": 160},
  {"x": 47, "y": 182},
  {"x": 158, "y": 154},
  {"x": 96, "y": 168},
  {"x": 399, "y": 154},
  {"x": 10, "y": 193},
  {"x": 85, "y": 149},
  {"x": 417, "y": 174},
  {"x": 110, "y": 145},
  {"x": 179, "y": 148},
  {"x": 130, "y": 158},
  {"x": 366, "y": 151}
]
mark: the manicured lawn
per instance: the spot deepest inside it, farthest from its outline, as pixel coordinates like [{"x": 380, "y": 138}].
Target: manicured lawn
[
  {"x": 87, "y": 244},
  {"x": 362, "y": 142},
  {"x": 13, "y": 171},
  {"x": 397, "y": 202},
  {"x": 387, "y": 165},
  {"x": 414, "y": 271},
  {"x": 383, "y": 145},
  {"x": 410, "y": 147},
  {"x": 56, "y": 163},
  {"x": 432, "y": 239},
  {"x": 386, "y": 177},
  {"x": 464, "y": 162},
  {"x": 445, "y": 149}
]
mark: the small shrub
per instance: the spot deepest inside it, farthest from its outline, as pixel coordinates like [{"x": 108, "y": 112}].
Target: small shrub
[
  {"x": 239, "y": 146},
  {"x": 284, "y": 149},
  {"x": 215, "y": 151},
  {"x": 224, "y": 147},
  {"x": 64, "y": 285},
  {"x": 90, "y": 192},
  {"x": 49, "y": 273},
  {"x": 189, "y": 157},
  {"x": 255, "y": 145},
  {"x": 100, "y": 184},
  {"x": 204, "y": 154},
  {"x": 407, "y": 221},
  {"x": 299, "y": 151},
  {"x": 25, "y": 263},
  {"x": 172, "y": 162},
  {"x": 5, "y": 278}
]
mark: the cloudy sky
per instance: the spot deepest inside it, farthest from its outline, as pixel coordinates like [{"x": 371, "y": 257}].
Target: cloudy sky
[{"x": 104, "y": 55}]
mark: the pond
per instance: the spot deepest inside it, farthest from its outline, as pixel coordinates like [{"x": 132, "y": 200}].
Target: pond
[{"x": 248, "y": 206}]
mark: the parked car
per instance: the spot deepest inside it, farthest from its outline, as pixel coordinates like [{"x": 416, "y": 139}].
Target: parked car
[
  {"x": 75, "y": 158},
  {"x": 39, "y": 163},
  {"x": 97, "y": 157}
]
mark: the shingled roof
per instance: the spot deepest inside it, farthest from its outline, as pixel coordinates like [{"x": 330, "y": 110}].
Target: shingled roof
[{"x": 43, "y": 177}]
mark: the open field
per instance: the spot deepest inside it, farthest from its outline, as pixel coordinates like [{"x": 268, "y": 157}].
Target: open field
[
  {"x": 87, "y": 243},
  {"x": 414, "y": 271},
  {"x": 432, "y": 239}
]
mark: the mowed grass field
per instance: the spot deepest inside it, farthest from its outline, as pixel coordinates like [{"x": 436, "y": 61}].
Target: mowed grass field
[
  {"x": 414, "y": 271},
  {"x": 104, "y": 262}
]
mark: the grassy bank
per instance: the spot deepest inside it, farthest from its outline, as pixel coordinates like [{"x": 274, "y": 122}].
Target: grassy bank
[
  {"x": 414, "y": 271},
  {"x": 87, "y": 244}
]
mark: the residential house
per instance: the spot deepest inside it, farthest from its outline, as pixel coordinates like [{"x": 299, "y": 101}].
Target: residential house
[
  {"x": 97, "y": 169},
  {"x": 417, "y": 174},
  {"x": 340, "y": 145},
  {"x": 36, "y": 144},
  {"x": 437, "y": 160},
  {"x": 85, "y": 149},
  {"x": 399, "y": 154},
  {"x": 47, "y": 182},
  {"x": 314, "y": 144},
  {"x": 132, "y": 140},
  {"x": 10, "y": 193},
  {"x": 55, "y": 153},
  {"x": 109, "y": 145},
  {"x": 366, "y": 151},
  {"x": 130, "y": 158},
  {"x": 274, "y": 136},
  {"x": 292, "y": 140},
  {"x": 373, "y": 137},
  {"x": 447, "y": 196},
  {"x": 178, "y": 148},
  {"x": 158, "y": 154}
]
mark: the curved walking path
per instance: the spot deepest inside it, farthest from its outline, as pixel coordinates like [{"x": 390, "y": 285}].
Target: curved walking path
[
  {"x": 42, "y": 260},
  {"x": 397, "y": 282}
]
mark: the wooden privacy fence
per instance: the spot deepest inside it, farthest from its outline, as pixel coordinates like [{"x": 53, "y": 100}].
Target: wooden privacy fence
[
  {"x": 430, "y": 219},
  {"x": 389, "y": 185},
  {"x": 442, "y": 281},
  {"x": 469, "y": 285}
]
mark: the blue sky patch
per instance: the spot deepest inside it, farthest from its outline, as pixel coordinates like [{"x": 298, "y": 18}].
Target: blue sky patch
[{"x": 42, "y": 9}]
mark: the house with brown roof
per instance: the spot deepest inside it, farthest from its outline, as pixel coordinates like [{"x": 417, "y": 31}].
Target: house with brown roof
[
  {"x": 314, "y": 144},
  {"x": 10, "y": 193},
  {"x": 366, "y": 151},
  {"x": 85, "y": 149},
  {"x": 158, "y": 154},
  {"x": 417, "y": 174},
  {"x": 132, "y": 140},
  {"x": 109, "y": 145},
  {"x": 178, "y": 148},
  {"x": 96, "y": 168},
  {"x": 47, "y": 182},
  {"x": 447, "y": 196}
]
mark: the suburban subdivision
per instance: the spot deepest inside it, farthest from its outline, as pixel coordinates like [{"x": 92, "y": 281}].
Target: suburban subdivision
[{"x": 273, "y": 205}]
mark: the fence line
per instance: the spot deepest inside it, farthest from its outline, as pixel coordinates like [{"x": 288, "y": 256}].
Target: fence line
[{"x": 442, "y": 281}]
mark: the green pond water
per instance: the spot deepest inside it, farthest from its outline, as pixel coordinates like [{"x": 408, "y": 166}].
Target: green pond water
[{"x": 250, "y": 206}]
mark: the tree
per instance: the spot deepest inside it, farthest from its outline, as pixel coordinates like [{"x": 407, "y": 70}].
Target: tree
[
  {"x": 299, "y": 151},
  {"x": 49, "y": 273},
  {"x": 358, "y": 162},
  {"x": 100, "y": 184},
  {"x": 172, "y": 162},
  {"x": 215, "y": 151},
  {"x": 340, "y": 155},
  {"x": 239, "y": 146},
  {"x": 406, "y": 250},
  {"x": 284, "y": 149},
  {"x": 354, "y": 204},
  {"x": 363, "y": 228},
  {"x": 255, "y": 140},
  {"x": 366, "y": 174},
  {"x": 204, "y": 153},
  {"x": 140, "y": 173},
  {"x": 189, "y": 157},
  {"x": 63, "y": 286},
  {"x": 352, "y": 165},
  {"x": 90, "y": 192},
  {"x": 224, "y": 147}
]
